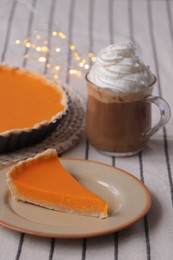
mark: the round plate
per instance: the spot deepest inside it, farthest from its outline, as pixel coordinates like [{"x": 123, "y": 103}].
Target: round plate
[{"x": 128, "y": 198}]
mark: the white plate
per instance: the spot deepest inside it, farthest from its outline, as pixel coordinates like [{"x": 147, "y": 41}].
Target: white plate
[{"x": 129, "y": 201}]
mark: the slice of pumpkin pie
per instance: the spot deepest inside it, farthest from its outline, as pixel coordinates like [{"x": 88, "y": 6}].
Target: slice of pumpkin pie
[{"x": 43, "y": 181}]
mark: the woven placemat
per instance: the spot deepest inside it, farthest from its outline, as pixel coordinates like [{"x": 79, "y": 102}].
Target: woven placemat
[{"x": 63, "y": 138}]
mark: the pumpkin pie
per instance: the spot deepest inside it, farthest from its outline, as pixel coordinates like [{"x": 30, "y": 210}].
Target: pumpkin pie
[
  {"x": 43, "y": 181},
  {"x": 30, "y": 105}
]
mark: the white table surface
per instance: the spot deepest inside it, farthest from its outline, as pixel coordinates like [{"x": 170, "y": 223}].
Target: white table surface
[{"x": 90, "y": 26}]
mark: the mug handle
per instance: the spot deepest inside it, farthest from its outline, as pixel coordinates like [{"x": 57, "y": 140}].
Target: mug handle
[{"x": 165, "y": 113}]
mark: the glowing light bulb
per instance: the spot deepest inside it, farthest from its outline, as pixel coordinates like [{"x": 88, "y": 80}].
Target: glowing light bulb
[
  {"x": 58, "y": 49},
  {"x": 38, "y": 49},
  {"x": 33, "y": 46},
  {"x": 62, "y": 35},
  {"x": 86, "y": 66},
  {"x": 57, "y": 67},
  {"x": 81, "y": 64},
  {"x": 42, "y": 59},
  {"x": 72, "y": 47},
  {"x": 79, "y": 73},
  {"x": 78, "y": 58},
  {"x": 93, "y": 59},
  {"x": 38, "y": 36},
  {"x": 44, "y": 49},
  {"x": 28, "y": 45},
  {"x": 56, "y": 76},
  {"x": 71, "y": 71},
  {"x": 18, "y": 41},
  {"x": 90, "y": 54},
  {"x": 83, "y": 61},
  {"x": 54, "y": 33}
]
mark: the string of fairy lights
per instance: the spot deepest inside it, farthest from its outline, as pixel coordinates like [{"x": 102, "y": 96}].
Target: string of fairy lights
[{"x": 40, "y": 45}]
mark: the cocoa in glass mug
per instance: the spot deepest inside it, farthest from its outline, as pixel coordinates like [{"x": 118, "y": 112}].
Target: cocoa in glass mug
[{"x": 121, "y": 125}]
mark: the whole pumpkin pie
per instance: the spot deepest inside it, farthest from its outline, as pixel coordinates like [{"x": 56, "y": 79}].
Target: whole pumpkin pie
[
  {"x": 30, "y": 105},
  {"x": 43, "y": 181}
]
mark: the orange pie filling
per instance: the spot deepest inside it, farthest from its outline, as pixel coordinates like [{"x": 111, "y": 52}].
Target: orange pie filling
[
  {"x": 28, "y": 99},
  {"x": 42, "y": 180}
]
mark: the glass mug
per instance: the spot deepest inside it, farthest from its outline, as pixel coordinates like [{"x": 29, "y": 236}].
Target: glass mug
[{"x": 121, "y": 125}]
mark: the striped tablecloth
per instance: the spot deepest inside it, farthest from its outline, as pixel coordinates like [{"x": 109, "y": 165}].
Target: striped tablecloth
[{"x": 86, "y": 26}]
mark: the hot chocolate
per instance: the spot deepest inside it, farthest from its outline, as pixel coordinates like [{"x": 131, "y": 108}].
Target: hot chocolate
[
  {"x": 117, "y": 127},
  {"x": 118, "y": 118}
]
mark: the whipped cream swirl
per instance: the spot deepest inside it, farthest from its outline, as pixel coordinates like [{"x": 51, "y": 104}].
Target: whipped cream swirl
[{"x": 118, "y": 68}]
